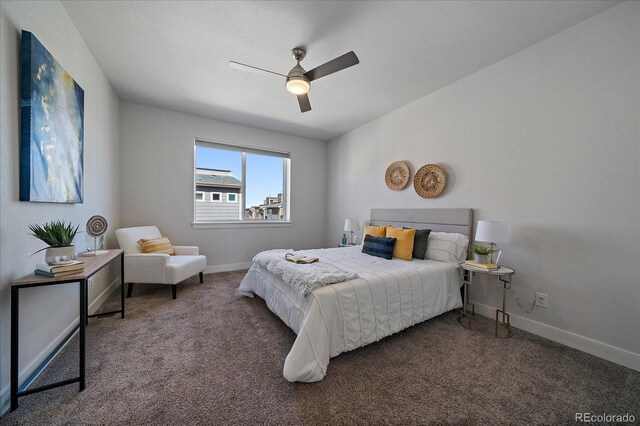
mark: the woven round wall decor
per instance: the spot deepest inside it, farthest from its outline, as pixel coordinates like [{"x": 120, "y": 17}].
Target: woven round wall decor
[
  {"x": 397, "y": 175},
  {"x": 429, "y": 181}
]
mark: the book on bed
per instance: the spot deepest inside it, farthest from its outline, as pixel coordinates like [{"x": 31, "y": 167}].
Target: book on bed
[{"x": 300, "y": 259}]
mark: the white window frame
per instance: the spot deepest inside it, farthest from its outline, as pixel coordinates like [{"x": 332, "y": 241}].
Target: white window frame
[
  {"x": 242, "y": 221},
  {"x": 204, "y": 196},
  {"x": 234, "y": 195},
  {"x": 219, "y": 200}
]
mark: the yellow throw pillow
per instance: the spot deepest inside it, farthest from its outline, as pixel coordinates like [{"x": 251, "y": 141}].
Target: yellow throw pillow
[
  {"x": 375, "y": 231},
  {"x": 157, "y": 245},
  {"x": 404, "y": 242}
]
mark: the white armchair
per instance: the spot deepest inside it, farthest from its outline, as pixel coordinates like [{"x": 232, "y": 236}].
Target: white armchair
[{"x": 157, "y": 268}]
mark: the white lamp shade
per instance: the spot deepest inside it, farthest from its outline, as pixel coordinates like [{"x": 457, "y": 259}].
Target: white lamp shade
[
  {"x": 493, "y": 232},
  {"x": 351, "y": 225}
]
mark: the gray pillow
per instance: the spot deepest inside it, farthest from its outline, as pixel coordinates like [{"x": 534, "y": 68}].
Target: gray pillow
[{"x": 420, "y": 243}]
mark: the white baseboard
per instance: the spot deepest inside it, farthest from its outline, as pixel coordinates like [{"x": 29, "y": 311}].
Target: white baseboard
[
  {"x": 228, "y": 267},
  {"x": 601, "y": 350},
  {"x": 5, "y": 397}
]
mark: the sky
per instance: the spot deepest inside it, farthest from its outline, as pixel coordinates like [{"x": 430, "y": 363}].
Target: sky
[{"x": 264, "y": 173}]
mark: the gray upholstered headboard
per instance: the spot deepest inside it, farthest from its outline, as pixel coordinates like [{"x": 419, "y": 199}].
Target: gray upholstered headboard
[{"x": 440, "y": 220}]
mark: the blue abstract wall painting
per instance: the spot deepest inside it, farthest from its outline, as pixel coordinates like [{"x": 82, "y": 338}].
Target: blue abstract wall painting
[{"x": 51, "y": 128}]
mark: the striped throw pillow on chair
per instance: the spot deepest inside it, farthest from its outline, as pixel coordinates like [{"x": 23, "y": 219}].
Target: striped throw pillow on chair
[{"x": 156, "y": 245}]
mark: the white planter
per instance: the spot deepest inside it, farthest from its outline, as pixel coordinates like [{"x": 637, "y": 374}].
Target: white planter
[
  {"x": 481, "y": 258},
  {"x": 60, "y": 255}
]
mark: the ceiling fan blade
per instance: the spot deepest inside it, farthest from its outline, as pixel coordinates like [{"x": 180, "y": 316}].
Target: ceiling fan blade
[
  {"x": 255, "y": 70},
  {"x": 305, "y": 105},
  {"x": 341, "y": 62}
]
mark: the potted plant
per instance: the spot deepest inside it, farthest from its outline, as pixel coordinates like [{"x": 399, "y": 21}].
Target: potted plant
[
  {"x": 481, "y": 253},
  {"x": 58, "y": 236}
]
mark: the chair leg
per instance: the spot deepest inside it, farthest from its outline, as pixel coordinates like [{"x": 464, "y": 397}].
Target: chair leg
[
  {"x": 201, "y": 277},
  {"x": 173, "y": 290},
  {"x": 129, "y": 289}
]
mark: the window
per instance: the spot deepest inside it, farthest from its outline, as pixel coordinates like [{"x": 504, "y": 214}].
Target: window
[
  {"x": 199, "y": 196},
  {"x": 246, "y": 185}
]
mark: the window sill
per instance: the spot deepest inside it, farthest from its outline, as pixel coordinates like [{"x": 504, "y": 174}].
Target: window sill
[{"x": 242, "y": 224}]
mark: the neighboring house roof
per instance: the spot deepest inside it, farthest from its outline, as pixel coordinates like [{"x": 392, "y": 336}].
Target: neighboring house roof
[{"x": 217, "y": 180}]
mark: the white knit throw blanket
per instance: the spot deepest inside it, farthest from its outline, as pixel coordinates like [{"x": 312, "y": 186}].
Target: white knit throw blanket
[{"x": 303, "y": 278}]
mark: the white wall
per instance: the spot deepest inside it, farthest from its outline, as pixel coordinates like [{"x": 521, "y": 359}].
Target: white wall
[
  {"x": 157, "y": 183},
  {"x": 547, "y": 139},
  {"x": 47, "y": 313}
]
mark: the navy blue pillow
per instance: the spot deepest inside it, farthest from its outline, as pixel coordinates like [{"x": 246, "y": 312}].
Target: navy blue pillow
[{"x": 378, "y": 246}]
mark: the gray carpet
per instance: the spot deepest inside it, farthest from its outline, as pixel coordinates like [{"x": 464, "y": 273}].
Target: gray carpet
[{"x": 211, "y": 357}]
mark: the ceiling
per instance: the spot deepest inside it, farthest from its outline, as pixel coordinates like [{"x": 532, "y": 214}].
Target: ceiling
[{"x": 175, "y": 54}]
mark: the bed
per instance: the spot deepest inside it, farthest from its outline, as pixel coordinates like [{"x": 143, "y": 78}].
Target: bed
[{"x": 387, "y": 297}]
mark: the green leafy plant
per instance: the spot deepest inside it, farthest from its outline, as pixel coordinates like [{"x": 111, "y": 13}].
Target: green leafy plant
[
  {"x": 56, "y": 233},
  {"x": 481, "y": 250}
]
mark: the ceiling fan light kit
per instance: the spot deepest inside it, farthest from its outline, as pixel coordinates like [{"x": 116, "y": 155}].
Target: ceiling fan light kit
[
  {"x": 298, "y": 86},
  {"x": 298, "y": 81}
]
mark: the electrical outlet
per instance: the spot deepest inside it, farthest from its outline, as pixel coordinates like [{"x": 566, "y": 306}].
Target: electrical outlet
[{"x": 542, "y": 300}]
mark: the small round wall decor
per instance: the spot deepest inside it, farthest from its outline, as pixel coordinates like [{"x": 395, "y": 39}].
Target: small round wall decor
[
  {"x": 397, "y": 175},
  {"x": 429, "y": 181}
]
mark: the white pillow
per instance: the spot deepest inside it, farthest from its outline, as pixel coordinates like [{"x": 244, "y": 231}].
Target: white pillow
[{"x": 447, "y": 247}]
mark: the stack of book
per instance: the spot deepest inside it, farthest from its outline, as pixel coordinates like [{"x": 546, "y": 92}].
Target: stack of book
[
  {"x": 484, "y": 266},
  {"x": 55, "y": 271}
]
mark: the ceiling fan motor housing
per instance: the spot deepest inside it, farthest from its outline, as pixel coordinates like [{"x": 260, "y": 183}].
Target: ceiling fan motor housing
[{"x": 297, "y": 72}]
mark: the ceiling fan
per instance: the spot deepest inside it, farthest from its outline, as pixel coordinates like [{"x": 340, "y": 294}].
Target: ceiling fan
[{"x": 298, "y": 81}]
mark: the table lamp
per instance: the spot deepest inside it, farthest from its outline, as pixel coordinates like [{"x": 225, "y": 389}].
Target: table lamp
[
  {"x": 352, "y": 226},
  {"x": 493, "y": 232}
]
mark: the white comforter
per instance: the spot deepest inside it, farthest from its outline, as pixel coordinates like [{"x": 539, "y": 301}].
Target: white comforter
[{"x": 387, "y": 297}]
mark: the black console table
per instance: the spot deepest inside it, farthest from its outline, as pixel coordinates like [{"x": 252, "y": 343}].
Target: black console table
[{"x": 91, "y": 266}]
